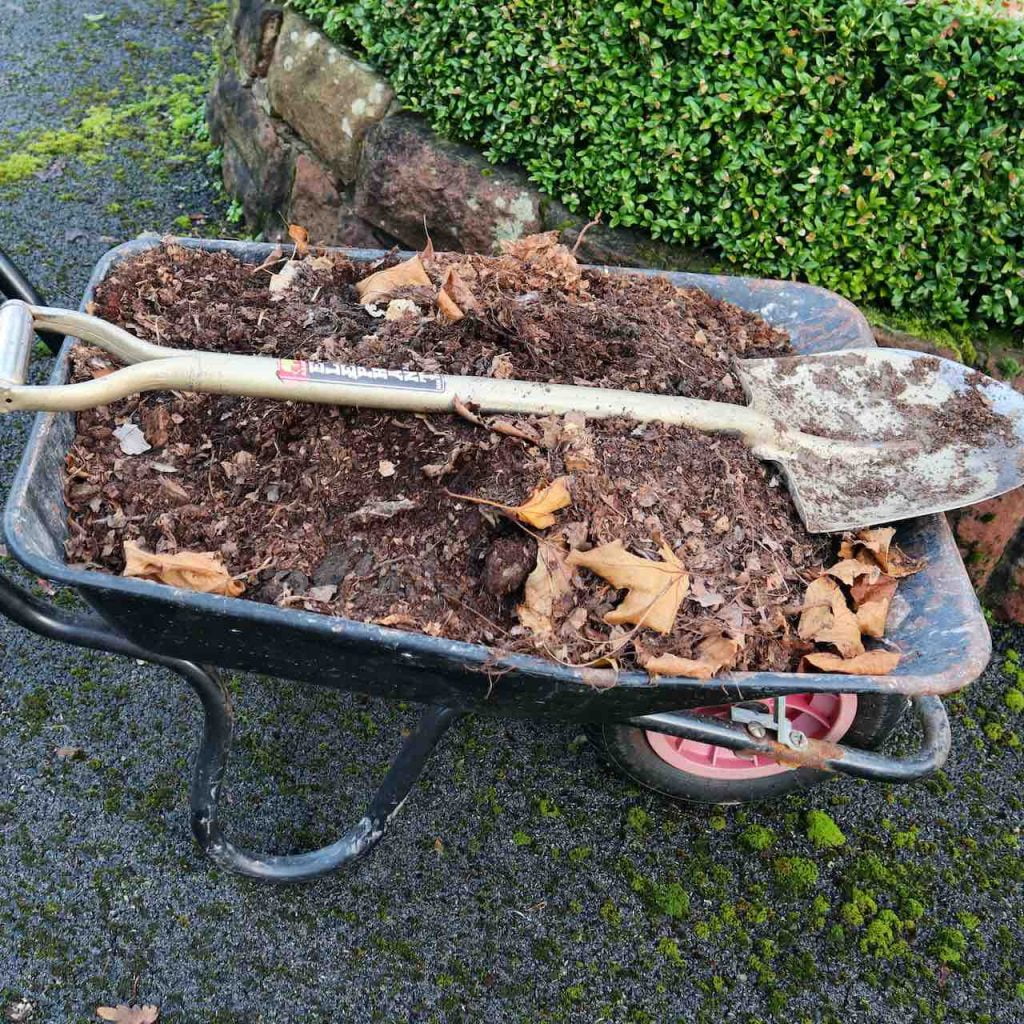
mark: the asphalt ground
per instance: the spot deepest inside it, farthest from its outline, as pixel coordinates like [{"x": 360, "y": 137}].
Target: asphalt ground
[{"x": 523, "y": 881}]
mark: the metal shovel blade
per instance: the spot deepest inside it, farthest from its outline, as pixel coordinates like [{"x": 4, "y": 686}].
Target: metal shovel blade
[{"x": 870, "y": 436}]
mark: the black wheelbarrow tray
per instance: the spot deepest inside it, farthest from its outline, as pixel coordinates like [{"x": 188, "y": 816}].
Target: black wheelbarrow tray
[{"x": 938, "y": 626}]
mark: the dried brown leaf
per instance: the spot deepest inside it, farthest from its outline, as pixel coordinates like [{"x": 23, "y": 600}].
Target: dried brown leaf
[
  {"x": 877, "y": 545},
  {"x": 538, "y": 509},
  {"x": 850, "y": 569},
  {"x": 544, "y": 255},
  {"x": 656, "y": 589},
  {"x": 192, "y": 570},
  {"x": 713, "y": 654},
  {"x": 300, "y": 236},
  {"x": 870, "y": 663},
  {"x": 454, "y": 298},
  {"x": 545, "y": 587},
  {"x": 448, "y": 308},
  {"x": 156, "y": 422},
  {"x": 385, "y": 283},
  {"x": 827, "y": 619},
  {"x": 125, "y": 1014},
  {"x": 872, "y": 601}
]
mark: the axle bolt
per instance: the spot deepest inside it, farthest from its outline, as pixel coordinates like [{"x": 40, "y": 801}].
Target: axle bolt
[{"x": 757, "y": 730}]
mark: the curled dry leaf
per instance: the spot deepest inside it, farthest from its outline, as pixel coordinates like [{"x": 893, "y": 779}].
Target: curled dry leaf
[
  {"x": 447, "y": 307},
  {"x": 872, "y": 601},
  {"x": 851, "y": 569},
  {"x": 870, "y": 663},
  {"x": 876, "y": 546},
  {"x": 827, "y": 619},
  {"x": 125, "y": 1014},
  {"x": 447, "y": 303},
  {"x": 300, "y": 236},
  {"x": 545, "y": 587},
  {"x": 385, "y": 283},
  {"x": 191, "y": 570},
  {"x": 713, "y": 654},
  {"x": 538, "y": 509},
  {"x": 656, "y": 589}
]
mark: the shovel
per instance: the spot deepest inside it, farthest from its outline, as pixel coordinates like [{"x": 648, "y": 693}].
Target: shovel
[{"x": 863, "y": 436}]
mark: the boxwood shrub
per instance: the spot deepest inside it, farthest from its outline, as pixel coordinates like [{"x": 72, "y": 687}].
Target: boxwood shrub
[{"x": 875, "y": 147}]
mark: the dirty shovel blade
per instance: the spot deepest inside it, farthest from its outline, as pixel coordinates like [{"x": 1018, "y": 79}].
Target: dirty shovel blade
[{"x": 886, "y": 434}]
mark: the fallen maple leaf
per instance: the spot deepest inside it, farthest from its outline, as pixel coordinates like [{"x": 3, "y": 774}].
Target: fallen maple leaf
[
  {"x": 713, "y": 654},
  {"x": 385, "y": 283},
  {"x": 125, "y": 1014},
  {"x": 656, "y": 589},
  {"x": 538, "y": 509},
  {"x": 300, "y": 236},
  {"x": 192, "y": 570},
  {"x": 826, "y": 618},
  {"x": 546, "y": 585},
  {"x": 870, "y": 663}
]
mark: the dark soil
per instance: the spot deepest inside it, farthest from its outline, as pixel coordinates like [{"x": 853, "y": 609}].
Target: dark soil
[{"x": 355, "y": 513}]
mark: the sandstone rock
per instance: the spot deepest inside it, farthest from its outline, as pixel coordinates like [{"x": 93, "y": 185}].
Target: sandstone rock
[
  {"x": 254, "y": 26},
  {"x": 315, "y": 201},
  {"x": 888, "y": 337},
  {"x": 622, "y": 247},
  {"x": 984, "y": 532},
  {"x": 257, "y": 157},
  {"x": 328, "y": 97},
  {"x": 409, "y": 175},
  {"x": 325, "y": 211}
]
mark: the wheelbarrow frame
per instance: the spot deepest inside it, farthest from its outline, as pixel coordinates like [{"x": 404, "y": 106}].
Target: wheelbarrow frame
[{"x": 936, "y": 621}]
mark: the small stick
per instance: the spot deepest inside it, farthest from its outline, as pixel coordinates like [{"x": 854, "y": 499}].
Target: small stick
[{"x": 586, "y": 227}]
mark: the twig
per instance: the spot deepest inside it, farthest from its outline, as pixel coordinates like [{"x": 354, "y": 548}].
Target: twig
[{"x": 586, "y": 227}]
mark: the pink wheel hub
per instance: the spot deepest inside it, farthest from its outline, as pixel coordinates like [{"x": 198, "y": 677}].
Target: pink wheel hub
[{"x": 819, "y": 716}]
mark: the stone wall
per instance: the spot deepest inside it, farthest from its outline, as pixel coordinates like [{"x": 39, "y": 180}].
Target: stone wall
[{"x": 313, "y": 136}]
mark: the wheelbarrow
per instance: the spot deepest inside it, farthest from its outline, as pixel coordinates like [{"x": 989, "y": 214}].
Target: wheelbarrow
[{"x": 738, "y": 737}]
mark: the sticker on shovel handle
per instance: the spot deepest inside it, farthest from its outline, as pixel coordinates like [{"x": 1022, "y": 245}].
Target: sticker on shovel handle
[{"x": 316, "y": 372}]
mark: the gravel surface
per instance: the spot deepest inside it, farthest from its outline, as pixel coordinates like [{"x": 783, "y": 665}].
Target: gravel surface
[{"x": 522, "y": 881}]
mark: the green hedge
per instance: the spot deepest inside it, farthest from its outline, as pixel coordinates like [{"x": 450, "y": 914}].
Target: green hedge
[{"x": 871, "y": 146}]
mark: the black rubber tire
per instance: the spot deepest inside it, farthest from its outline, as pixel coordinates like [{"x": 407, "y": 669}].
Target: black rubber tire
[{"x": 626, "y": 749}]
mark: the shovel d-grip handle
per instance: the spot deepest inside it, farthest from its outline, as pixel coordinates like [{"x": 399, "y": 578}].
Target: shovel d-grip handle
[{"x": 16, "y": 333}]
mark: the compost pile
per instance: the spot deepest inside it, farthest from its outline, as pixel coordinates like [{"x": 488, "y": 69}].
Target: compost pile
[{"x": 586, "y": 541}]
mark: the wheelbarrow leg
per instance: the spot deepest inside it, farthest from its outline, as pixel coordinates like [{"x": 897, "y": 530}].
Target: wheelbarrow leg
[{"x": 211, "y": 763}]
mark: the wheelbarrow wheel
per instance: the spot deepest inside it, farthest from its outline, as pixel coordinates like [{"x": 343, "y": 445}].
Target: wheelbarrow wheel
[{"x": 701, "y": 773}]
